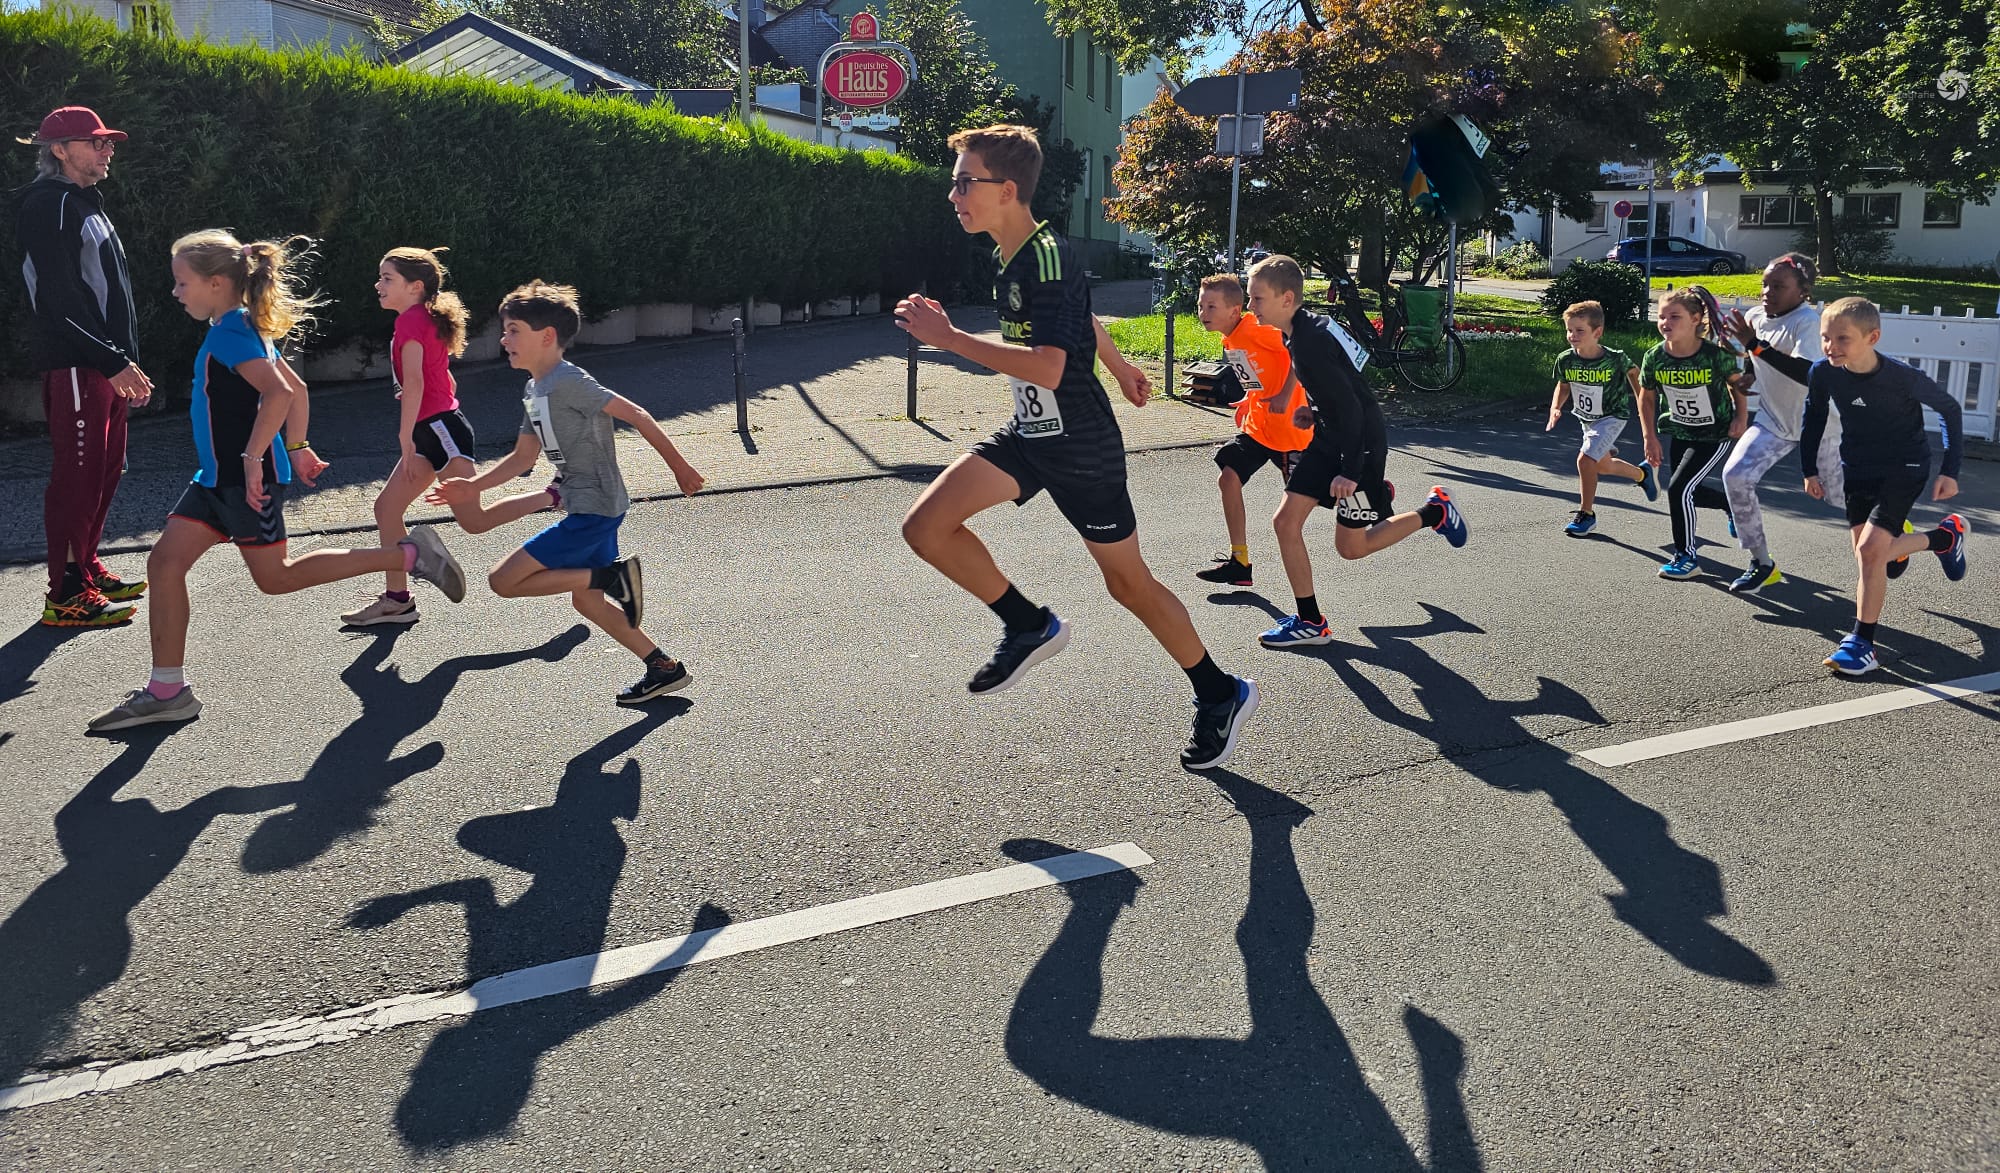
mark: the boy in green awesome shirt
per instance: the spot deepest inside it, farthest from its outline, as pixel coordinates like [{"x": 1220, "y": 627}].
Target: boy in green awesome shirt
[
  {"x": 1602, "y": 384},
  {"x": 1705, "y": 410}
]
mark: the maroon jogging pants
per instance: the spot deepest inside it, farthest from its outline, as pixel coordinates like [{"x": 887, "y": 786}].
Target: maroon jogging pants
[{"x": 87, "y": 433}]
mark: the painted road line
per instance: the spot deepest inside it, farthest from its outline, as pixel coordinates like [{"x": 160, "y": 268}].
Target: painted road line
[
  {"x": 1868, "y": 706},
  {"x": 286, "y": 1035}
]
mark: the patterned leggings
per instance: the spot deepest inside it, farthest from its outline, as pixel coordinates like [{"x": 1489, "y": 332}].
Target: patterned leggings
[{"x": 1756, "y": 454}]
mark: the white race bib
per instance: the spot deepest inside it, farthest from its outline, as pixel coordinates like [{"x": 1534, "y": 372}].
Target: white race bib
[
  {"x": 1356, "y": 353},
  {"x": 1691, "y": 406},
  {"x": 545, "y": 431},
  {"x": 1246, "y": 374},
  {"x": 1036, "y": 412},
  {"x": 1589, "y": 400}
]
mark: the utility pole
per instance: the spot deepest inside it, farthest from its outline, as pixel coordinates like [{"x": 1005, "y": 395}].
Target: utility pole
[{"x": 1236, "y": 167}]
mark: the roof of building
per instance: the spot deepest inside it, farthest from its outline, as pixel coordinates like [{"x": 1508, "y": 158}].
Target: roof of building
[{"x": 474, "y": 45}]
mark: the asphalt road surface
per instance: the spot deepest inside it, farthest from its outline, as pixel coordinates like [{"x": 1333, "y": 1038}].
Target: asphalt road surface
[{"x": 1412, "y": 928}]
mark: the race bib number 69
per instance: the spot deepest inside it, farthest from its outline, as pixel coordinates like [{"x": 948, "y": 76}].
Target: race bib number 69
[
  {"x": 1036, "y": 412},
  {"x": 1589, "y": 400}
]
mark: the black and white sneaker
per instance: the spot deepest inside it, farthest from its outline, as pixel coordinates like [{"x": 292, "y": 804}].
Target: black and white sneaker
[
  {"x": 1018, "y": 652},
  {"x": 1216, "y": 727},
  {"x": 657, "y": 681},
  {"x": 627, "y": 589}
]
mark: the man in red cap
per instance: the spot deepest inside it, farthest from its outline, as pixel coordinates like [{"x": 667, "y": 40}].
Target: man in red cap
[{"x": 84, "y": 341}]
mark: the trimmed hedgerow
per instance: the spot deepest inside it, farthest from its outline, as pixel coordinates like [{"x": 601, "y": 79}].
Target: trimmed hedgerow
[{"x": 629, "y": 204}]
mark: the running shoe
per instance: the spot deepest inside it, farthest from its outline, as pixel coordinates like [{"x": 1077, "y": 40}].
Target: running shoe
[
  {"x": 1227, "y": 571},
  {"x": 434, "y": 564},
  {"x": 1759, "y": 576},
  {"x": 141, "y": 707},
  {"x": 1452, "y": 524},
  {"x": 1649, "y": 481},
  {"x": 1216, "y": 726},
  {"x": 657, "y": 681},
  {"x": 1854, "y": 657},
  {"x": 1580, "y": 523},
  {"x": 115, "y": 589},
  {"x": 1897, "y": 566},
  {"x": 1952, "y": 557},
  {"x": 628, "y": 589},
  {"x": 1732, "y": 526},
  {"x": 1683, "y": 566},
  {"x": 86, "y": 608},
  {"x": 1017, "y": 652},
  {"x": 383, "y": 610},
  {"x": 1295, "y": 632}
]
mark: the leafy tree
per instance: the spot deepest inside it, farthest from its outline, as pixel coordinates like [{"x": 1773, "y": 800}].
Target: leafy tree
[
  {"x": 957, "y": 84},
  {"x": 664, "y": 43}
]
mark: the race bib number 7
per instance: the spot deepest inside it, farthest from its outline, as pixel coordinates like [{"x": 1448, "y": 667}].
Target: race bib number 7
[
  {"x": 545, "y": 431},
  {"x": 1036, "y": 412},
  {"x": 1691, "y": 406}
]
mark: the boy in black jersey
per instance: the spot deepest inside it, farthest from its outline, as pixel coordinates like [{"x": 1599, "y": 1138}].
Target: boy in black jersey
[
  {"x": 1063, "y": 438},
  {"x": 1886, "y": 458},
  {"x": 1342, "y": 468}
]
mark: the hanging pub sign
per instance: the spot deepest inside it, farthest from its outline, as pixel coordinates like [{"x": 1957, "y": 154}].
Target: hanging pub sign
[{"x": 866, "y": 78}]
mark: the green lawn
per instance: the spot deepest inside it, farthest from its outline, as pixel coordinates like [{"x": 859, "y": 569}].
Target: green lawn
[{"x": 1891, "y": 293}]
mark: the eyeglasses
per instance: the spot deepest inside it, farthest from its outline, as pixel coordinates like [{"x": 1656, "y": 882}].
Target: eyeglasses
[
  {"x": 100, "y": 145},
  {"x": 960, "y": 184}
]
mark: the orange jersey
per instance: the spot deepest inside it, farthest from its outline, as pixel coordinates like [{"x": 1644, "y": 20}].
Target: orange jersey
[{"x": 1262, "y": 364}]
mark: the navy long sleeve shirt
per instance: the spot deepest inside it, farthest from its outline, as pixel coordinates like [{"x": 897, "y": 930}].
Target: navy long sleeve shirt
[{"x": 1882, "y": 419}]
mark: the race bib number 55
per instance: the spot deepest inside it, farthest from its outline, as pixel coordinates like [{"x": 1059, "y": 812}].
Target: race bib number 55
[{"x": 1036, "y": 412}]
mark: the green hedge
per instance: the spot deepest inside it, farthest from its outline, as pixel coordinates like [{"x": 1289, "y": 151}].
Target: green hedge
[{"x": 629, "y": 204}]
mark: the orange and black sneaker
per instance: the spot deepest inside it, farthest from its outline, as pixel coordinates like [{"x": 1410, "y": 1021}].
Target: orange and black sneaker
[
  {"x": 86, "y": 608},
  {"x": 115, "y": 589}
]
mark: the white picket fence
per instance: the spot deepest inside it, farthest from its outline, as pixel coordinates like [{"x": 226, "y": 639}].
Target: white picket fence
[{"x": 1962, "y": 354}]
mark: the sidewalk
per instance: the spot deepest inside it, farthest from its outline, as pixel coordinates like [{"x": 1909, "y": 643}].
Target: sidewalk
[{"x": 825, "y": 404}]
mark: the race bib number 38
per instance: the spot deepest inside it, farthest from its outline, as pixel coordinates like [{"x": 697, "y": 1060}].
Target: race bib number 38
[
  {"x": 1691, "y": 406},
  {"x": 1246, "y": 374},
  {"x": 1036, "y": 412}
]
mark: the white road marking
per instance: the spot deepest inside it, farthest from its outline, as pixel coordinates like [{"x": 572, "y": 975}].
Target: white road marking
[
  {"x": 1868, "y": 706},
  {"x": 285, "y": 1035}
]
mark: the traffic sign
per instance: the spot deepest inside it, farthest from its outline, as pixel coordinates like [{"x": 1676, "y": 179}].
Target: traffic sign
[
  {"x": 1622, "y": 210},
  {"x": 1228, "y": 142},
  {"x": 1263, "y": 93}
]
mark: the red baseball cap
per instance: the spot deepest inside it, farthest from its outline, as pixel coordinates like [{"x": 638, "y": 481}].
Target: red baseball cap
[{"x": 73, "y": 122}]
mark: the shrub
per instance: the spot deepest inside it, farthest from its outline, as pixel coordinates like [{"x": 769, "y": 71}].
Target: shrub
[
  {"x": 1523, "y": 261},
  {"x": 1859, "y": 245},
  {"x": 630, "y": 204},
  {"x": 1621, "y": 289}
]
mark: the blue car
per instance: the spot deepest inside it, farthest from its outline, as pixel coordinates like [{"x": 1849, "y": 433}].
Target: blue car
[{"x": 1677, "y": 255}]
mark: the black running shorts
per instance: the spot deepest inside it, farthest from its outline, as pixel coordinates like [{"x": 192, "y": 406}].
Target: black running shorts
[
  {"x": 226, "y": 512},
  {"x": 1373, "y": 499},
  {"x": 1086, "y": 481},
  {"x": 1886, "y": 501},
  {"x": 1244, "y": 455},
  {"x": 443, "y": 438}
]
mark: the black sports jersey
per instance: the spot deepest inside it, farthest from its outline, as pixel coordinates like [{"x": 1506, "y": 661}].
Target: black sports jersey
[
  {"x": 1346, "y": 416},
  {"x": 1882, "y": 419},
  {"x": 1044, "y": 300}
]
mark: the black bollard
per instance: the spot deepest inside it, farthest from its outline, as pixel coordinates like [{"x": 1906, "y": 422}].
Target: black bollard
[{"x": 742, "y": 393}]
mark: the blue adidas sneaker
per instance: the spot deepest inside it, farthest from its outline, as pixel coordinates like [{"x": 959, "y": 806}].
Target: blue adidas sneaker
[
  {"x": 1295, "y": 632},
  {"x": 1684, "y": 566},
  {"x": 1580, "y": 523},
  {"x": 1854, "y": 657},
  {"x": 1952, "y": 557},
  {"x": 1649, "y": 483},
  {"x": 1452, "y": 524}
]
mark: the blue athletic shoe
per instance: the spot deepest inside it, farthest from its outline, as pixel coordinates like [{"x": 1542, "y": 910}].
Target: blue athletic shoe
[
  {"x": 1580, "y": 523},
  {"x": 1732, "y": 527},
  {"x": 1649, "y": 484},
  {"x": 1759, "y": 576},
  {"x": 1018, "y": 652},
  {"x": 1953, "y": 556},
  {"x": 1683, "y": 566},
  {"x": 1295, "y": 632},
  {"x": 1216, "y": 726},
  {"x": 1854, "y": 657},
  {"x": 1452, "y": 524}
]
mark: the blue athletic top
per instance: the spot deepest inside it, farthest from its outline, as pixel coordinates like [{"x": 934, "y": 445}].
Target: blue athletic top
[{"x": 225, "y": 405}]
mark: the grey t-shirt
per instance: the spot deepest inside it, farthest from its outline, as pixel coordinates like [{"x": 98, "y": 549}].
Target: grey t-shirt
[{"x": 565, "y": 411}]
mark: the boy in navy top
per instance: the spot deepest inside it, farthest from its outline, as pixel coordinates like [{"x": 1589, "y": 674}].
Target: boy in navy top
[{"x": 1886, "y": 457}]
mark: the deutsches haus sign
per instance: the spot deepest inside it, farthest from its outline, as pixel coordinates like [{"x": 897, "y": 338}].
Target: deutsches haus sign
[{"x": 866, "y": 78}]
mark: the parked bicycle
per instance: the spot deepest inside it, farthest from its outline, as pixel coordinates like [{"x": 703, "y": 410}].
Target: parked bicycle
[{"x": 1416, "y": 341}]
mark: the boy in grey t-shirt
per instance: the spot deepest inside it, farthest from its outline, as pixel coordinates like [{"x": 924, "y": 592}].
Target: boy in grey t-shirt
[{"x": 572, "y": 418}]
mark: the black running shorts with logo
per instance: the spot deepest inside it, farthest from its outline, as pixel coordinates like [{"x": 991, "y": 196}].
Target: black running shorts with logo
[
  {"x": 443, "y": 438},
  {"x": 1886, "y": 501},
  {"x": 1086, "y": 480},
  {"x": 1373, "y": 499},
  {"x": 1245, "y": 454},
  {"x": 226, "y": 512}
]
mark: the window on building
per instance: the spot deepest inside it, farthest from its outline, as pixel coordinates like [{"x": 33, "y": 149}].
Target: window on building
[
  {"x": 1110, "y": 185},
  {"x": 153, "y": 19},
  {"x": 1598, "y": 211},
  {"x": 1774, "y": 211},
  {"x": 1940, "y": 212},
  {"x": 1089, "y": 71},
  {"x": 1069, "y": 61},
  {"x": 1088, "y": 203},
  {"x": 1110, "y": 77},
  {"x": 1885, "y": 211}
]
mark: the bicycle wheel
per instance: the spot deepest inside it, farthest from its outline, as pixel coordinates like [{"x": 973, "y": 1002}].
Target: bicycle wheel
[{"x": 1435, "y": 368}]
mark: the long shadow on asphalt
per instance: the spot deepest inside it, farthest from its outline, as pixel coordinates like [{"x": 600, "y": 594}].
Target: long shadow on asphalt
[
  {"x": 476, "y": 1075},
  {"x": 1293, "y": 1089},
  {"x": 24, "y": 655},
  {"x": 1670, "y": 893},
  {"x": 351, "y": 778}
]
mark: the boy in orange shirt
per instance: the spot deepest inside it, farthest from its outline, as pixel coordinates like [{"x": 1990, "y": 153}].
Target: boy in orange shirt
[{"x": 1267, "y": 433}]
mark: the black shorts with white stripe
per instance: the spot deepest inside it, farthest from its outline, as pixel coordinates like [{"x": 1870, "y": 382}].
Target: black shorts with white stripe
[{"x": 443, "y": 438}]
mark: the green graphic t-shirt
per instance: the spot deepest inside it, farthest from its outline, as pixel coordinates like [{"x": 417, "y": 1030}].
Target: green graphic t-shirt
[
  {"x": 1598, "y": 387},
  {"x": 1695, "y": 402}
]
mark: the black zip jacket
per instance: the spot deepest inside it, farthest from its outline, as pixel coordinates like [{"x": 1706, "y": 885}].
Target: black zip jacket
[{"x": 77, "y": 280}]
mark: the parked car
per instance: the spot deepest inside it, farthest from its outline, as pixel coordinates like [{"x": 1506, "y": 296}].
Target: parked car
[{"x": 1677, "y": 255}]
